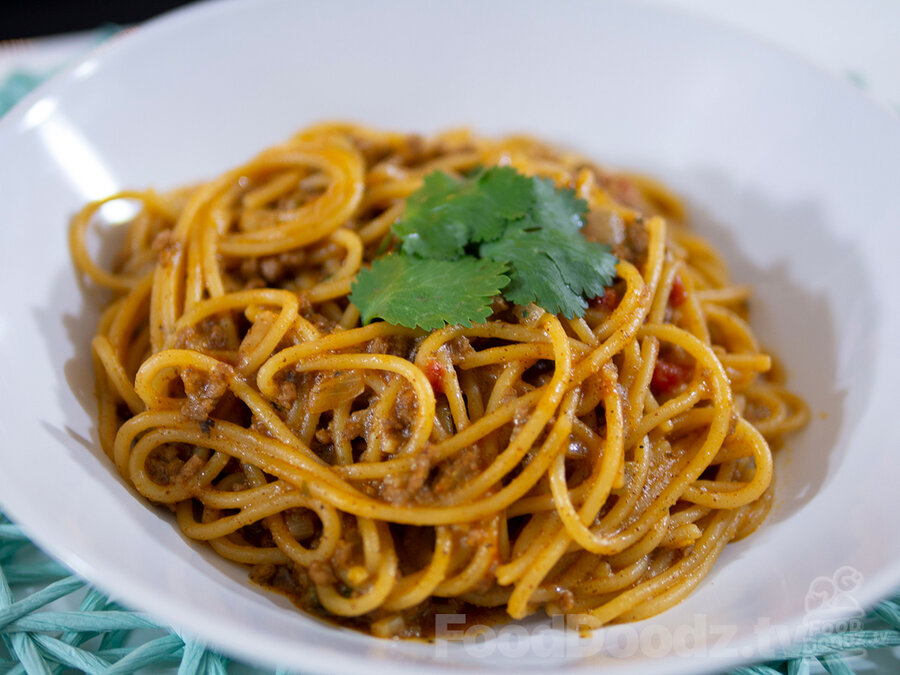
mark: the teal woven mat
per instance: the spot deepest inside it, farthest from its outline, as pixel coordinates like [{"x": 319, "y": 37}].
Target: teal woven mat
[
  {"x": 41, "y": 634},
  {"x": 103, "y": 637}
]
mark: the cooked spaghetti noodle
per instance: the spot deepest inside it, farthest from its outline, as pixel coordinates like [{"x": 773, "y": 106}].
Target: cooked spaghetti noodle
[{"x": 594, "y": 466}]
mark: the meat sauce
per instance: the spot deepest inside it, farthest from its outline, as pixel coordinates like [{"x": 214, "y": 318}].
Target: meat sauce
[{"x": 207, "y": 396}]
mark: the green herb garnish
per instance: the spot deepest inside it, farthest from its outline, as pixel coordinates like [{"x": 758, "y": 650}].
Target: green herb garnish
[
  {"x": 412, "y": 291},
  {"x": 464, "y": 241}
]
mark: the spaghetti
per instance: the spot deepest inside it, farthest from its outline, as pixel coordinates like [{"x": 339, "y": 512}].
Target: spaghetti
[{"x": 594, "y": 466}]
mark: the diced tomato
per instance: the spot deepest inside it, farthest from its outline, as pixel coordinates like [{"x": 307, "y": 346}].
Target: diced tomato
[
  {"x": 434, "y": 371},
  {"x": 678, "y": 294},
  {"x": 609, "y": 300},
  {"x": 625, "y": 191},
  {"x": 668, "y": 376}
]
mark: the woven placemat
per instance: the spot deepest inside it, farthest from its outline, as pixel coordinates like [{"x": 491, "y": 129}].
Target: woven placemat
[
  {"x": 42, "y": 634},
  {"x": 102, "y": 637}
]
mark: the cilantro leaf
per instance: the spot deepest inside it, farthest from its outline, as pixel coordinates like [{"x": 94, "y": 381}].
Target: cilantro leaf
[
  {"x": 446, "y": 214},
  {"x": 429, "y": 226},
  {"x": 504, "y": 193},
  {"x": 412, "y": 291},
  {"x": 557, "y": 209},
  {"x": 465, "y": 240},
  {"x": 553, "y": 268}
]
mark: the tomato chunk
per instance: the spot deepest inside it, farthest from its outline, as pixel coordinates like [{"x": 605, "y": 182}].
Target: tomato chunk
[
  {"x": 668, "y": 376},
  {"x": 678, "y": 294},
  {"x": 609, "y": 300},
  {"x": 434, "y": 371}
]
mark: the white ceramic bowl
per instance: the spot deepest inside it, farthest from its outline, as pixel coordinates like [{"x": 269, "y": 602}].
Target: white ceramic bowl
[{"x": 793, "y": 174}]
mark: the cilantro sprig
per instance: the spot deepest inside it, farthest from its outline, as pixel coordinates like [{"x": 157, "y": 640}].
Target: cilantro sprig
[
  {"x": 411, "y": 291},
  {"x": 464, "y": 241}
]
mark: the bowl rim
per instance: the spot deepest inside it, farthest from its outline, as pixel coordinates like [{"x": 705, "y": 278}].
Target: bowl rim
[{"x": 119, "y": 584}]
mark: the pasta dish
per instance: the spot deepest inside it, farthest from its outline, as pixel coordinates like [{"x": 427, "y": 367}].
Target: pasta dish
[{"x": 380, "y": 370}]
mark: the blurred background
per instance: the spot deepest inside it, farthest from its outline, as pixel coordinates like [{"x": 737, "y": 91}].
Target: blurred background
[
  {"x": 32, "y": 18},
  {"x": 858, "y": 41}
]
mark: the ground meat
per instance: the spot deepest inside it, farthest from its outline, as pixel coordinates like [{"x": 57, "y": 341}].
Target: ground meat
[
  {"x": 286, "y": 386},
  {"x": 394, "y": 345},
  {"x": 273, "y": 269},
  {"x": 634, "y": 247},
  {"x": 756, "y": 411},
  {"x": 478, "y": 534},
  {"x": 282, "y": 578},
  {"x": 166, "y": 247},
  {"x": 405, "y": 489},
  {"x": 460, "y": 468},
  {"x": 203, "y": 390},
  {"x": 627, "y": 236},
  {"x": 206, "y": 336},
  {"x": 459, "y": 347},
  {"x": 321, "y": 573},
  {"x": 522, "y": 415},
  {"x": 417, "y": 151},
  {"x": 566, "y": 600},
  {"x": 405, "y": 407},
  {"x": 257, "y": 534},
  {"x": 321, "y": 322},
  {"x": 164, "y": 463},
  {"x": 349, "y": 551},
  {"x": 374, "y": 151},
  {"x": 413, "y": 150}
]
